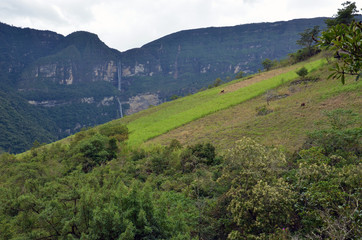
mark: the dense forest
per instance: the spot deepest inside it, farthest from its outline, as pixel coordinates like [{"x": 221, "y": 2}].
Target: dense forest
[
  {"x": 96, "y": 187},
  {"x": 97, "y": 184}
]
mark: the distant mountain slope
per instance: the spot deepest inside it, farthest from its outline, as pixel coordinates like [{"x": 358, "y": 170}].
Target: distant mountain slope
[
  {"x": 77, "y": 81},
  {"x": 189, "y": 60}
]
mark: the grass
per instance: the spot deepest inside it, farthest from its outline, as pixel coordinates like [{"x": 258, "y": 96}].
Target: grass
[
  {"x": 166, "y": 117},
  {"x": 286, "y": 126}
]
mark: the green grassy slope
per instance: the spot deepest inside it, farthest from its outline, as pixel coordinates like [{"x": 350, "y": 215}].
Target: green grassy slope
[
  {"x": 286, "y": 126},
  {"x": 168, "y": 116}
]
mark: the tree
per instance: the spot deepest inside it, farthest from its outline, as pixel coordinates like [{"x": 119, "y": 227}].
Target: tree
[
  {"x": 174, "y": 97},
  {"x": 239, "y": 75},
  {"x": 267, "y": 64},
  {"x": 217, "y": 82},
  {"x": 307, "y": 39},
  {"x": 302, "y": 72},
  {"x": 345, "y": 41},
  {"x": 261, "y": 201},
  {"x": 344, "y": 15}
]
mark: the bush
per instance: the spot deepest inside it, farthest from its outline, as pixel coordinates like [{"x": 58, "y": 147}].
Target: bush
[
  {"x": 263, "y": 110},
  {"x": 339, "y": 136},
  {"x": 197, "y": 154},
  {"x": 117, "y": 131},
  {"x": 95, "y": 151},
  {"x": 302, "y": 72},
  {"x": 239, "y": 75},
  {"x": 267, "y": 64},
  {"x": 303, "y": 54},
  {"x": 174, "y": 145}
]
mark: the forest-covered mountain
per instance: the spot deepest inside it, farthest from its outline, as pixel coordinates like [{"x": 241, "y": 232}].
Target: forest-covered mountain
[{"x": 53, "y": 85}]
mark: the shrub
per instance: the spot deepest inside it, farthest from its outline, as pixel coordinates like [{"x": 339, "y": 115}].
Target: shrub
[
  {"x": 302, "y": 72},
  {"x": 303, "y": 54},
  {"x": 197, "y": 154},
  {"x": 94, "y": 151},
  {"x": 117, "y": 131},
  {"x": 339, "y": 136},
  {"x": 174, "y": 145},
  {"x": 263, "y": 110}
]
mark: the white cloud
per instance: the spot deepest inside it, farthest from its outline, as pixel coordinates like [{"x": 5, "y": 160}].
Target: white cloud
[{"x": 125, "y": 24}]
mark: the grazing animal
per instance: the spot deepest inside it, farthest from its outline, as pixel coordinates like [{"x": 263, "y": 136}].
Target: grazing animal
[
  {"x": 222, "y": 91},
  {"x": 302, "y": 105}
]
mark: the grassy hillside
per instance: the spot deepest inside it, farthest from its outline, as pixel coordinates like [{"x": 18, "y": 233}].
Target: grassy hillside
[
  {"x": 286, "y": 125},
  {"x": 154, "y": 122}
]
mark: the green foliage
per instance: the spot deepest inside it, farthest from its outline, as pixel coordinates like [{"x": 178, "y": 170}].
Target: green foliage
[
  {"x": 341, "y": 136},
  {"x": 303, "y": 54},
  {"x": 344, "y": 15},
  {"x": 117, "y": 131},
  {"x": 327, "y": 179},
  {"x": 344, "y": 41},
  {"x": 340, "y": 118},
  {"x": 174, "y": 145},
  {"x": 217, "y": 82},
  {"x": 303, "y": 72},
  {"x": 174, "y": 97},
  {"x": 95, "y": 151},
  {"x": 206, "y": 152},
  {"x": 267, "y": 64},
  {"x": 197, "y": 154},
  {"x": 95, "y": 205},
  {"x": 240, "y": 75},
  {"x": 307, "y": 38},
  {"x": 94, "y": 187},
  {"x": 328, "y": 194},
  {"x": 261, "y": 201},
  {"x": 17, "y": 114},
  {"x": 263, "y": 110}
]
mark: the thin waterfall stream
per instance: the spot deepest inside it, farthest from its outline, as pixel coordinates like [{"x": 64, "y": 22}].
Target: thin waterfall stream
[{"x": 119, "y": 71}]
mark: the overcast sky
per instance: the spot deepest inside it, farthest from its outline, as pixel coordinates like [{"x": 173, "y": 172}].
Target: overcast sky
[{"x": 126, "y": 24}]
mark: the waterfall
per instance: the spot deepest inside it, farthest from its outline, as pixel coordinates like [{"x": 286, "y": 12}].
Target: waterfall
[
  {"x": 120, "y": 107},
  {"x": 119, "y": 71}
]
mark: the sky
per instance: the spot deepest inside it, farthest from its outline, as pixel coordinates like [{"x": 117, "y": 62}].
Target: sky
[{"x": 126, "y": 24}]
